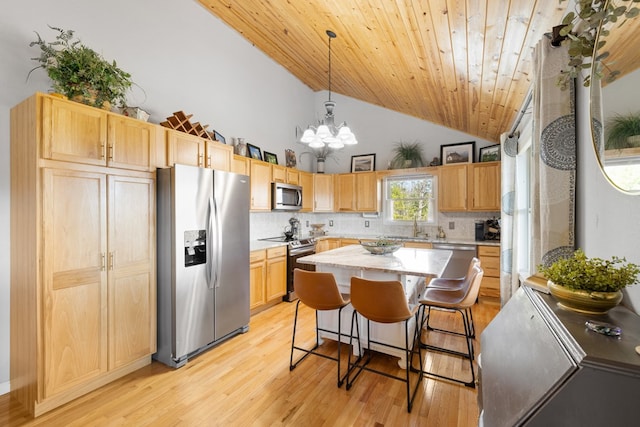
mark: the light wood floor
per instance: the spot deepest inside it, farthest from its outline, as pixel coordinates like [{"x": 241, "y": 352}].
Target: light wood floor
[{"x": 246, "y": 382}]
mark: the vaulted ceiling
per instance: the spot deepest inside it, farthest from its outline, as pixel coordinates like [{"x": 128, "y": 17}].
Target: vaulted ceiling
[{"x": 464, "y": 64}]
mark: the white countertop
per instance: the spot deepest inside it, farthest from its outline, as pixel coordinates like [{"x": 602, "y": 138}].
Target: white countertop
[
  {"x": 407, "y": 261},
  {"x": 453, "y": 240}
]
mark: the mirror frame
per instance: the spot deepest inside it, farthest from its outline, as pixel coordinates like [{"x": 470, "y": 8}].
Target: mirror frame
[{"x": 597, "y": 124}]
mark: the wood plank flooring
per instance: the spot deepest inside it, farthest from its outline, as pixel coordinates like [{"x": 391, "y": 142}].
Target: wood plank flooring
[{"x": 246, "y": 382}]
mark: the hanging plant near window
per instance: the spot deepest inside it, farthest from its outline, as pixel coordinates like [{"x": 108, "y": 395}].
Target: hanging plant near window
[{"x": 581, "y": 28}]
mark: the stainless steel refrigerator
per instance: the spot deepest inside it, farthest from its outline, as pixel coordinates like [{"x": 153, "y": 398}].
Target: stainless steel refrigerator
[{"x": 203, "y": 260}]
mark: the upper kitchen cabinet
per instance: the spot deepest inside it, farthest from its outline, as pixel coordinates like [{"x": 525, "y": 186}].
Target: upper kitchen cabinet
[
  {"x": 131, "y": 143},
  {"x": 218, "y": 156},
  {"x": 260, "y": 185},
  {"x": 484, "y": 186},
  {"x": 306, "y": 182},
  {"x": 240, "y": 164},
  {"x": 469, "y": 187},
  {"x": 356, "y": 192},
  {"x": 184, "y": 149},
  {"x": 322, "y": 192},
  {"x": 452, "y": 188},
  {"x": 74, "y": 132},
  {"x": 278, "y": 173},
  {"x": 293, "y": 176}
]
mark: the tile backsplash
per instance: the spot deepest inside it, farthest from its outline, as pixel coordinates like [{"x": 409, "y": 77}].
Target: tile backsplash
[{"x": 270, "y": 224}]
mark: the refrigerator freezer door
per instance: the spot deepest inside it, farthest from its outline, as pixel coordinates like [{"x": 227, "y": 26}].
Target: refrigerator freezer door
[
  {"x": 230, "y": 252},
  {"x": 193, "y": 303}
]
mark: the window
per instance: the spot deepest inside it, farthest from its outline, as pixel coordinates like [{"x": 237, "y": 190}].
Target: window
[{"x": 408, "y": 198}]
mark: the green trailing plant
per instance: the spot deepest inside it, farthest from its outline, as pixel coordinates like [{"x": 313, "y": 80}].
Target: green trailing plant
[
  {"x": 618, "y": 130},
  {"x": 579, "y": 272},
  {"x": 407, "y": 155},
  {"x": 581, "y": 28},
  {"x": 79, "y": 72}
]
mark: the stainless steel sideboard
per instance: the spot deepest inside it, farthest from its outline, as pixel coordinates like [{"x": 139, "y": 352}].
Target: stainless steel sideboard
[{"x": 541, "y": 366}]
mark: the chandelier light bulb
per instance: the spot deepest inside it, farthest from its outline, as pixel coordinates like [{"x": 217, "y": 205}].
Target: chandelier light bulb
[{"x": 308, "y": 136}]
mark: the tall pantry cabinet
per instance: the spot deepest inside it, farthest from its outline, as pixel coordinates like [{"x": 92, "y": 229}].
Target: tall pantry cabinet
[{"x": 83, "y": 288}]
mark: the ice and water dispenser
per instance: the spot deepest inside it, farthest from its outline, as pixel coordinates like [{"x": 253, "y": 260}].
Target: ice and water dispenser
[{"x": 195, "y": 247}]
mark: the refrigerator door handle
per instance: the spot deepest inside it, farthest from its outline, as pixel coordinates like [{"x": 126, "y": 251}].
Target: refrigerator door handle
[{"x": 216, "y": 252}]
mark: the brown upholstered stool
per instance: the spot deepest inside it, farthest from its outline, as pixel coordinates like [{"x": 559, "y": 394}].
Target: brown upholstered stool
[
  {"x": 318, "y": 291},
  {"x": 383, "y": 302},
  {"x": 457, "y": 284},
  {"x": 460, "y": 301}
]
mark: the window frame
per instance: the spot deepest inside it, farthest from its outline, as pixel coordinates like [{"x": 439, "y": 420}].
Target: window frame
[{"x": 387, "y": 211}]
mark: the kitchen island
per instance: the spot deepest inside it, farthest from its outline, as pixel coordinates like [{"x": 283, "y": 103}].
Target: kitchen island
[{"x": 410, "y": 266}]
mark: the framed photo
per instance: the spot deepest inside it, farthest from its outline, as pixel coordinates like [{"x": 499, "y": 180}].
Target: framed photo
[
  {"x": 363, "y": 163},
  {"x": 218, "y": 137},
  {"x": 254, "y": 152},
  {"x": 270, "y": 157},
  {"x": 290, "y": 157},
  {"x": 490, "y": 153},
  {"x": 461, "y": 152}
]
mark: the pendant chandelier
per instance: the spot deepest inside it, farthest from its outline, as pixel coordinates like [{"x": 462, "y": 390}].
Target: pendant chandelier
[{"x": 327, "y": 135}]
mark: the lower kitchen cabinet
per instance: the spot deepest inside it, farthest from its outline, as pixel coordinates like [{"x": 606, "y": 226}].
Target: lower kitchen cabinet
[
  {"x": 268, "y": 276},
  {"x": 327, "y": 244},
  {"x": 490, "y": 262},
  {"x": 418, "y": 245}
]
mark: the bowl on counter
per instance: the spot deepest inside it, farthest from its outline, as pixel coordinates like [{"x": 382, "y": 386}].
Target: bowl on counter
[{"x": 381, "y": 246}]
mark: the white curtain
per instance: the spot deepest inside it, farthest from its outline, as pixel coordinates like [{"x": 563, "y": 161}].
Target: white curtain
[
  {"x": 508, "y": 224},
  {"x": 554, "y": 158}
]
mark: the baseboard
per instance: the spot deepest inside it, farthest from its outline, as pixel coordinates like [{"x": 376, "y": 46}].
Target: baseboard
[{"x": 5, "y": 388}]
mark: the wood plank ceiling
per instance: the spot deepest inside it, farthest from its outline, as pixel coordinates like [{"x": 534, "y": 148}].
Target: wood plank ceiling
[{"x": 464, "y": 64}]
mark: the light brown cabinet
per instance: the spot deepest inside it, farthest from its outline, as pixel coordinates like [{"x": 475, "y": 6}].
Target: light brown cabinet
[
  {"x": 293, "y": 176},
  {"x": 268, "y": 276},
  {"x": 327, "y": 244},
  {"x": 83, "y": 290},
  {"x": 278, "y": 173},
  {"x": 356, "y": 192},
  {"x": 306, "y": 182},
  {"x": 218, "y": 156},
  {"x": 323, "y": 193},
  {"x": 418, "y": 245},
  {"x": 484, "y": 186},
  {"x": 469, "y": 187},
  {"x": 260, "y": 185},
  {"x": 240, "y": 164},
  {"x": 73, "y": 133},
  {"x": 490, "y": 262}
]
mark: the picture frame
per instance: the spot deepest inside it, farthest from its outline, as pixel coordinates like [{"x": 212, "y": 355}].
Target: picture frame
[
  {"x": 270, "y": 157},
  {"x": 363, "y": 163},
  {"x": 254, "y": 152},
  {"x": 218, "y": 137},
  {"x": 460, "y": 152},
  {"x": 490, "y": 153},
  {"x": 290, "y": 158}
]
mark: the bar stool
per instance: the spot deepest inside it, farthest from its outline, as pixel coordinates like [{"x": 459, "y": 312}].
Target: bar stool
[
  {"x": 320, "y": 292},
  {"x": 457, "y": 284},
  {"x": 383, "y": 302},
  {"x": 460, "y": 301}
]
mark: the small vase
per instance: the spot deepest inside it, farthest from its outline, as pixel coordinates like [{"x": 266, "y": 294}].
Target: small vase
[{"x": 586, "y": 302}]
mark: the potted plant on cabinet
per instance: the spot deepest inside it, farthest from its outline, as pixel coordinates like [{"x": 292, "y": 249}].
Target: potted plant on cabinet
[
  {"x": 589, "y": 285},
  {"x": 79, "y": 72},
  {"x": 407, "y": 155}
]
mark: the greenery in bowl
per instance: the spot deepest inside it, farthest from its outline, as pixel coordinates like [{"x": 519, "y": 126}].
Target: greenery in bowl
[
  {"x": 382, "y": 246},
  {"x": 618, "y": 130},
  {"x": 79, "y": 72},
  {"x": 579, "y": 272}
]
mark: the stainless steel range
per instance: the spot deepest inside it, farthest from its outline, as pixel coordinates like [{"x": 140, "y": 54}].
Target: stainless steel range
[{"x": 296, "y": 248}]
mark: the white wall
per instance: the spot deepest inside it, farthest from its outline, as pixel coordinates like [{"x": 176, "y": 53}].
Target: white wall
[{"x": 185, "y": 59}]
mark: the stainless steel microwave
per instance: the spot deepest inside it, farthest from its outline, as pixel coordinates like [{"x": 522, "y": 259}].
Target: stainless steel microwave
[{"x": 285, "y": 197}]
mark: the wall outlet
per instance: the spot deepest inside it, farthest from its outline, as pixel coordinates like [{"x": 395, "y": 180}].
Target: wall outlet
[
  {"x": 366, "y": 224},
  {"x": 330, "y": 223},
  {"x": 452, "y": 225},
  {"x": 307, "y": 223}
]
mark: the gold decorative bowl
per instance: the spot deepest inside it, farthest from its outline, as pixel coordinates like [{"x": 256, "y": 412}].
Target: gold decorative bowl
[{"x": 381, "y": 246}]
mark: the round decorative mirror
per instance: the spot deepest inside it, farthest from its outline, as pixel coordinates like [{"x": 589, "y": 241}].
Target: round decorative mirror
[{"x": 615, "y": 105}]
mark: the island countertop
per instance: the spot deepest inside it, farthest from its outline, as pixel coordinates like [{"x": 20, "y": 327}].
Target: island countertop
[{"x": 405, "y": 261}]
